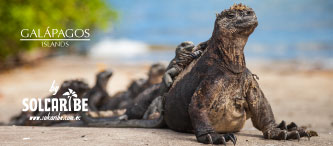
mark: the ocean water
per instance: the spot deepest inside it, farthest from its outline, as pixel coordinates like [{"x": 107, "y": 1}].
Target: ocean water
[{"x": 287, "y": 30}]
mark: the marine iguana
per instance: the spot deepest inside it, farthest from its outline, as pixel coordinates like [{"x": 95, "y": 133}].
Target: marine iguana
[
  {"x": 216, "y": 93},
  {"x": 126, "y": 98},
  {"x": 98, "y": 94},
  {"x": 185, "y": 54}
]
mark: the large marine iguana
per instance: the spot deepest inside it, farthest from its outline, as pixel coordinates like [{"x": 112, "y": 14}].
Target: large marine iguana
[{"x": 216, "y": 93}]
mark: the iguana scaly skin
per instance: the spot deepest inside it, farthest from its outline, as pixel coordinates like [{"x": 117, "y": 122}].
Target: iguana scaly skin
[
  {"x": 147, "y": 105},
  {"x": 185, "y": 54},
  {"x": 125, "y": 99},
  {"x": 216, "y": 93}
]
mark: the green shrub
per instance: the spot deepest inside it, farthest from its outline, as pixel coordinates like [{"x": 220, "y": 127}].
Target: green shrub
[{"x": 16, "y": 15}]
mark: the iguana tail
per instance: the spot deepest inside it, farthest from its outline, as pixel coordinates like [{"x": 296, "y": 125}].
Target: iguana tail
[{"x": 121, "y": 122}]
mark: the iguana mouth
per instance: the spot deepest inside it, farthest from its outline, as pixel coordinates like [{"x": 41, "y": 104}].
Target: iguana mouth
[
  {"x": 108, "y": 74},
  {"x": 246, "y": 23}
]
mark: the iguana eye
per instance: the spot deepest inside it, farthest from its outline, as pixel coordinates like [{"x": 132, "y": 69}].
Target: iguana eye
[
  {"x": 230, "y": 15},
  {"x": 249, "y": 13}
]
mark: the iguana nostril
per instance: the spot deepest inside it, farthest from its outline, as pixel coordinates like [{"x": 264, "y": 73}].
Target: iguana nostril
[{"x": 240, "y": 21}]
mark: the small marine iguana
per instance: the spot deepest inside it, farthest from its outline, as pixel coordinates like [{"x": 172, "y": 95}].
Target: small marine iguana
[
  {"x": 98, "y": 94},
  {"x": 185, "y": 54},
  {"x": 216, "y": 93}
]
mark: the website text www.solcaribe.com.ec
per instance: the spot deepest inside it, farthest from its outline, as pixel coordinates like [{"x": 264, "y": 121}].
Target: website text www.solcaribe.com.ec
[{"x": 57, "y": 117}]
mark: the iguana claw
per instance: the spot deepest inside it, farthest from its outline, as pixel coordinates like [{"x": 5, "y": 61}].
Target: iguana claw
[
  {"x": 223, "y": 141},
  {"x": 294, "y": 135},
  {"x": 215, "y": 138},
  {"x": 210, "y": 140},
  {"x": 311, "y": 133},
  {"x": 292, "y": 126},
  {"x": 282, "y": 125},
  {"x": 284, "y": 135},
  {"x": 290, "y": 131},
  {"x": 298, "y": 136},
  {"x": 233, "y": 139}
]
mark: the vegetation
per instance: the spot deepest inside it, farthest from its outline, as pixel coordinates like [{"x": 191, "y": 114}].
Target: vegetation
[{"x": 16, "y": 15}]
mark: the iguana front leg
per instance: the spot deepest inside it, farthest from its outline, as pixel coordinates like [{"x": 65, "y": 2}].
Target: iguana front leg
[
  {"x": 203, "y": 129},
  {"x": 168, "y": 76},
  {"x": 263, "y": 118},
  {"x": 167, "y": 79}
]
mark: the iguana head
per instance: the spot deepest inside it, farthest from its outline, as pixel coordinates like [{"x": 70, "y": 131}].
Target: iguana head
[
  {"x": 156, "y": 73},
  {"x": 237, "y": 20},
  {"x": 184, "y": 47},
  {"x": 103, "y": 77},
  {"x": 231, "y": 31}
]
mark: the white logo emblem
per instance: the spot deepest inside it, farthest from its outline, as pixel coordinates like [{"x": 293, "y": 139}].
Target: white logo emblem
[{"x": 70, "y": 93}]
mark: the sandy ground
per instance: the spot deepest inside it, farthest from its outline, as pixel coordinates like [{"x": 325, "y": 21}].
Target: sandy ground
[
  {"x": 296, "y": 93},
  {"x": 133, "y": 137}
]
